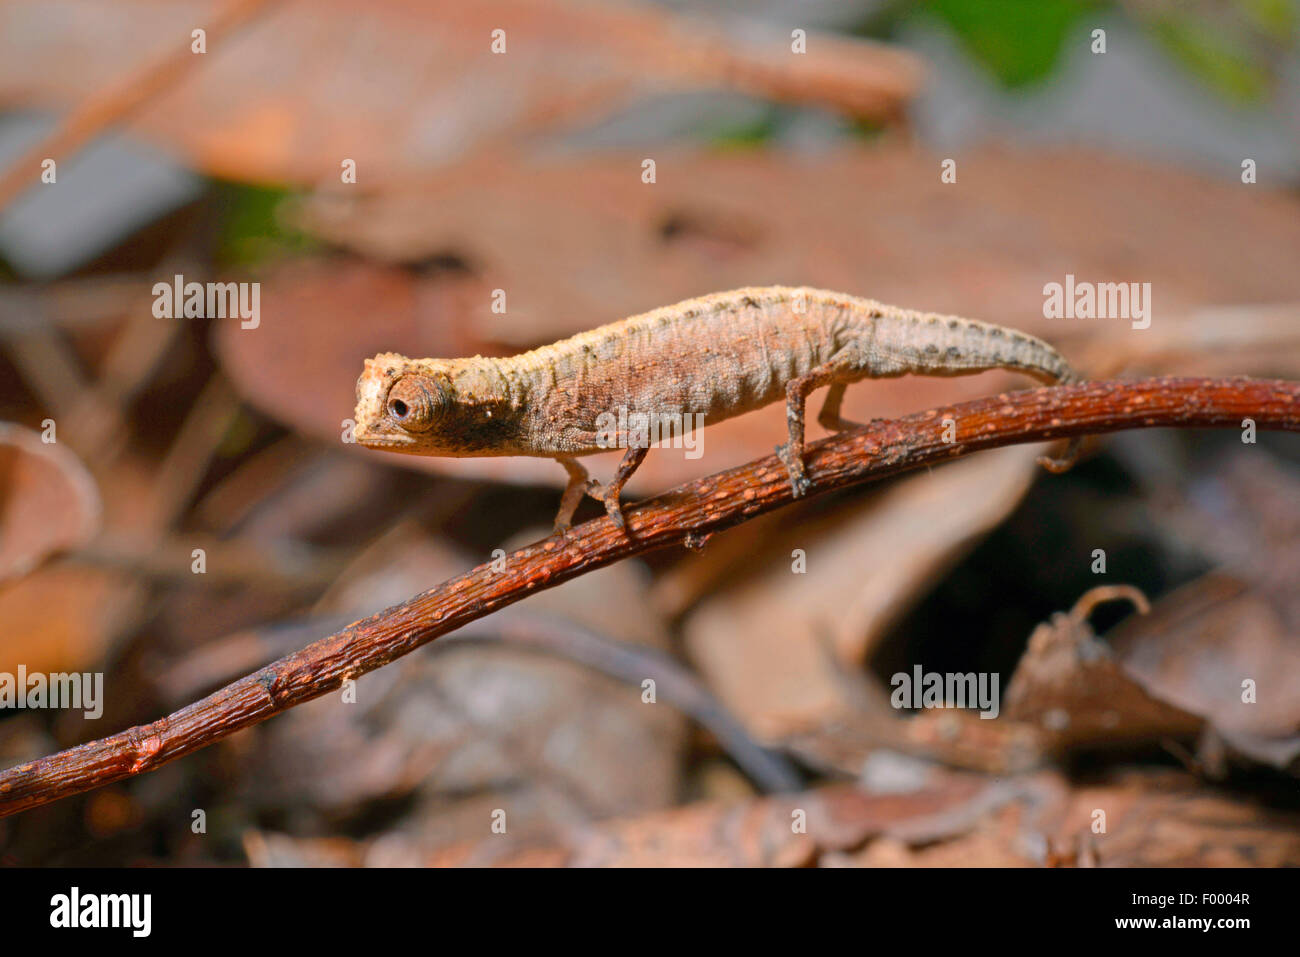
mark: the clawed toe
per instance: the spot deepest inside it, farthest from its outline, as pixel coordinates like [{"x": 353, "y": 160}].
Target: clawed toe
[
  {"x": 799, "y": 481},
  {"x": 615, "y": 510}
]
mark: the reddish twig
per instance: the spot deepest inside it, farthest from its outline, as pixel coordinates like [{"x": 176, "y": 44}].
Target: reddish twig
[{"x": 685, "y": 515}]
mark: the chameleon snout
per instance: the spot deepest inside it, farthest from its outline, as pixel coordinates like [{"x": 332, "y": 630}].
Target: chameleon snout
[{"x": 372, "y": 427}]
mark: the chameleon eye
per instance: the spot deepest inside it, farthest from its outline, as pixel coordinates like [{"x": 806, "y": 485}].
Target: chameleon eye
[{"x": 416, "y": 402}]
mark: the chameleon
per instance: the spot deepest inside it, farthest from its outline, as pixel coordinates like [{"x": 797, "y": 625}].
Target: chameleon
[{"x": 721, "y": 355}]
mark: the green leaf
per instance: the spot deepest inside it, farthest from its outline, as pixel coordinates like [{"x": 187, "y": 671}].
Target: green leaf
[
  {"x": 1019, "y": 41},
  {"x": 1227, "y": 68},
  {"x": 250, "y": 232}
]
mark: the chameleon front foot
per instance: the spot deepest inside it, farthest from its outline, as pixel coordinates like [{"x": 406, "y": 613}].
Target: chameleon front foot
[
  {"x": 611, "y": 497},
  {"x": 611, "y": 500},
  {"x": 573, "y": 493},
  {"x": 614, "y": 508},
  {"x": 800, "y": 484}
]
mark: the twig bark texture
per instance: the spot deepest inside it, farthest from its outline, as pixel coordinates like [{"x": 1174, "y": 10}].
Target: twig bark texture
[{"x": 685, "y": 515}]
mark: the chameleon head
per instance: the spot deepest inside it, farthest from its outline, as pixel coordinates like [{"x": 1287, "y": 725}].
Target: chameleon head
[
  {"x": 451, "y": 407},
  {"x": 401, "y": 403}
]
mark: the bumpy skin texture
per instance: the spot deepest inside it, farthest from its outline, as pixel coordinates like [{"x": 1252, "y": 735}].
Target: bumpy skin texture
[{"x": 719, "y": 355}]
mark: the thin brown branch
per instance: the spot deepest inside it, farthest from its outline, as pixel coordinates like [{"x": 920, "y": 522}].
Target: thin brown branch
[{"x": 685, "y": 515}]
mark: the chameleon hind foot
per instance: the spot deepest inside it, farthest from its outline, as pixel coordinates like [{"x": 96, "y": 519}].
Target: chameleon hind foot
[
  {"x": 796, "y": 394},
  {"x": 799, "y": 481}
]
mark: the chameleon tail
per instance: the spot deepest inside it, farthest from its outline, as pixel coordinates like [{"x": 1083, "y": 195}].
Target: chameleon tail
[{"x": 1063, "y": 463}]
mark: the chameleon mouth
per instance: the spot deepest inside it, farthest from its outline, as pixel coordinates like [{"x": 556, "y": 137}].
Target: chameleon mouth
[{"x": 382, "y": 438}]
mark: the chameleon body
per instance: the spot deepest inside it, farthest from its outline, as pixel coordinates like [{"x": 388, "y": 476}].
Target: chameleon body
[{"x": 720, "y": 355}]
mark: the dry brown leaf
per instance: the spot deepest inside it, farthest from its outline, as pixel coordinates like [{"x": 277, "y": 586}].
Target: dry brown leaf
[
  {"x": 267, "y": 849},
  {"x": 1220, "y": 340},
  {"x": 1227, "y": 646},
  {"x": 1070, "y": 687},
  {"x": 757, "y": 833},
  {"x": 1137, "y": 818},
  {"x": 763, "y": 645},
  {"x": 61, "y": 618},
  {"x": 48, "y": 500},
  {"x": 954, "y": 738},
  {"x": 579, "y": 242},
  {"x": 412, "y": 86},
  {"x": 1170, "y": 819},
  {"x": 1152, "y": 818},
  {"x": 1200, "y": 647}
]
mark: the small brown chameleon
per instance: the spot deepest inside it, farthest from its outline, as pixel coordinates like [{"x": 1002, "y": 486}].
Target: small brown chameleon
[{"x": 719, "y": 355}]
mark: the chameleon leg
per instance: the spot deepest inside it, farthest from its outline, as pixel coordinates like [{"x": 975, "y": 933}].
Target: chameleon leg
[
  {"x": 829, "y": 417},
  {"x": 573, "y": 492},
  {"x": 796, "y": 396},
  {"x": 609, "y": 494}
]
